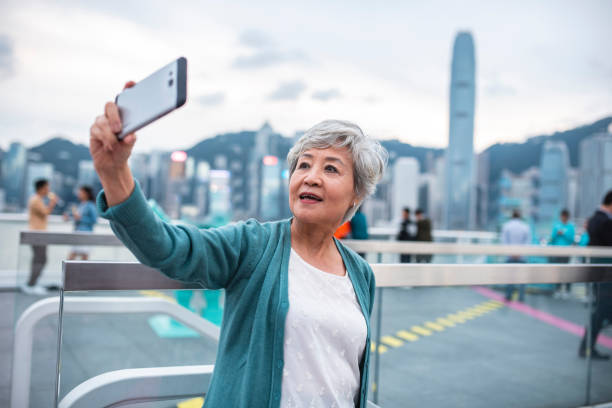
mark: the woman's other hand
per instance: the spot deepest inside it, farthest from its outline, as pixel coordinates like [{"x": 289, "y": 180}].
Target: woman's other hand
[{"x": 110, "y": 155}]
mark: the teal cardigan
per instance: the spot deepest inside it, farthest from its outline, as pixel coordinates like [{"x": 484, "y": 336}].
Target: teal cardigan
[{"x": 250, "y": 260}]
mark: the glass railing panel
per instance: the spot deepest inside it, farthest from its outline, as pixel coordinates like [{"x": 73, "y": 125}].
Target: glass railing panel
[
  {"x": 600, "y": 366},
  {"x": 141, "y": 335},
  {"x": 467, "y": 346}
]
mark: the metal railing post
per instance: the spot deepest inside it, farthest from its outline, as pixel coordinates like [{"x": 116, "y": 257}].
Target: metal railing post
[{"x": 379, "y": 294}]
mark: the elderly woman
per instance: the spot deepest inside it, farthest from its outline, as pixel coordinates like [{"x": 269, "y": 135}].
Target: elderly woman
[{"x": 295, "y": 329}]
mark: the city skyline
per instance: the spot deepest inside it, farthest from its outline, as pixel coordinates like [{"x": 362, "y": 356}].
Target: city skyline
[{"x": 391, "y": 76}]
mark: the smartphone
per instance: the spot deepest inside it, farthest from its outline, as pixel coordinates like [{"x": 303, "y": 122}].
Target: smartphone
[{"x": 153, "y": 97}]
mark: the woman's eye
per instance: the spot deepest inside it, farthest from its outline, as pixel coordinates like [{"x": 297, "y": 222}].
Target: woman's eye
[
  {"x": 303, "y": 165},
  {"x": 331, "y": 168}
]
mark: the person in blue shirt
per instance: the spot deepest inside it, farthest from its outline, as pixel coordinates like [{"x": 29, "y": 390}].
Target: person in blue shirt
[
  {"x": 85, "y": 216},
  {"x": 563, "y": 234}
]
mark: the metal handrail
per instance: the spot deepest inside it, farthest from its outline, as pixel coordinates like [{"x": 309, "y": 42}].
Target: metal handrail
[
  {"x": 123, "y": 387},
  {"x": 88, "y": 275},
  {"x": 67, "y": 238},
  {"x": 443, "y": 248},
  {"x": 379, "y": 246},
  {"x": 24, "y": 329}
]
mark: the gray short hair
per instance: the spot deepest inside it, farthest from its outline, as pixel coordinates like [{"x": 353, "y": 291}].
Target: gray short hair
[{"x": 369, "y": 157}]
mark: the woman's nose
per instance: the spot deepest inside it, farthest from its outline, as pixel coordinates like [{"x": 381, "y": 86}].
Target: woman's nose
[{"x": 312, "y": 178}]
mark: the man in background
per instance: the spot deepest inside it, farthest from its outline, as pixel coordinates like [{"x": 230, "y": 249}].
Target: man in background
[
  {"x": 423, "y": 233},
  {"x": 600, "y": 234},
  {"x": 406, "y": 233},
  {"x": 515, "y": 232},
  {"x": 40, "y": 205}
]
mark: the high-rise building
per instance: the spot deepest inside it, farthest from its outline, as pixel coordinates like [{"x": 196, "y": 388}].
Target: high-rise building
[
  {"x": 270, "y": 196},
  {"x": 264, "y": 146},
  {"x": 459, "y": 197},
  {"x": 482, "y": 191},
  {"x": 518, "y": 192},
  {"x": 87, "y": 175},
  {"x": 13, "y": 173},
  {"x": 405, "y": 190},
  {"x": 554, "y": 168},
  {"x": 595, "y": 172},
  {"x": 219, "y": 194},
  {"x": 37, "y": 171}
]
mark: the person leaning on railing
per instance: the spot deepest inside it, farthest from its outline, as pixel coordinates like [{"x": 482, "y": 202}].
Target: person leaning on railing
[{"x": 298, "y": 302}]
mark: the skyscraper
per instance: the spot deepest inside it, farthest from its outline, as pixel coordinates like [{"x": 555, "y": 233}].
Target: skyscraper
[
  {"x": 554, "y": 168},
  {"x": 13, "y": 173},
  {"x": 405, "y": 191},
  {"x": 459, "y": 197},
  {"x": 595, "y": 174}
]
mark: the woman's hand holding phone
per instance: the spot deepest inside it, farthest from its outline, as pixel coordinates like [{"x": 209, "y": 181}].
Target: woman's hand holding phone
[{"x": 110, "y": 155}]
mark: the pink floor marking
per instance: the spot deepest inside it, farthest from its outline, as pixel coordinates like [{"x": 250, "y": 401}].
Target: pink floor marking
[{"x": 542, "y": 316}]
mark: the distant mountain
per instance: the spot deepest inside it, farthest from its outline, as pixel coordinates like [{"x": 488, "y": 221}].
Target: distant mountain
[
  {"x": 62, "y": 153},
  {"x": 422, "y": 154},
  {"x": 518, "y": 157}
]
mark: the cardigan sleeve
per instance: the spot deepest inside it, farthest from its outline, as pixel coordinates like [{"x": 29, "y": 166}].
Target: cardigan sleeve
[{"x": 209, "y": 257}]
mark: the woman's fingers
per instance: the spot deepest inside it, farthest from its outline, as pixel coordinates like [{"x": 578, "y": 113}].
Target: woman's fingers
[
  {"x": 112, "y": 113},
  {"x": 105, "y": 133}
]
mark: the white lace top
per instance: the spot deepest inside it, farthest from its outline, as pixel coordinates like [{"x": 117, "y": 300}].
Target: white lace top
[{"x": 325, "y": 335}]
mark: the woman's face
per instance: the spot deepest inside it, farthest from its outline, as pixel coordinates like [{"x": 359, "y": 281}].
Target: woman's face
[
  {"x": 321, "y": 187},
  {"x": 82, "y": 195}
]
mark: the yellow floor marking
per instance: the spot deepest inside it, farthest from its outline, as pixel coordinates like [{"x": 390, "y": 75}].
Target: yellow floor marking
[
  {"x": 381, "y": 348},
  {"x": 475, "y": 311},
  {"x": 406, "y": 335},
  {"x": 191, "y": 403},
  {"x": 391, "y": 341},
  {"x": 421, "y": 330},
  {"x": 485, "y": 309},
  {"x": 374, "y": 387},
  {"x": 445, "y": 322},
  {"x": 434, "y": 326},
  {"x": 456, "y": 318},
  {"x": 157, "y": 294}
]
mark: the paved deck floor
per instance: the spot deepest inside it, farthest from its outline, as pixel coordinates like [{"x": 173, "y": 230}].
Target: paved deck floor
[{"x": 501, "y": 358}]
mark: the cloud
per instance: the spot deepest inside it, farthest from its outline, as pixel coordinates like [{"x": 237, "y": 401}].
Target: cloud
[
  {"x": 212, "y": 99},
  {"x": 265, "y": 53},
  {"x": 288, "y": 91},
  {"x": 267, "y": 57},
  {"x": 499, "y": 89},
  {"x": 255, "y": 39},
  {"x": 6, "y": 55},
  {"x": 326, "y": 94}
]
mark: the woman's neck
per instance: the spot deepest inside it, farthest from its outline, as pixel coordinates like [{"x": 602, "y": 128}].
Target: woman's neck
[{"x": 312, "y": 240}]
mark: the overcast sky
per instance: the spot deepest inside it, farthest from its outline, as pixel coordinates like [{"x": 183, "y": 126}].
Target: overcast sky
[{"x": 541, "y": 66}]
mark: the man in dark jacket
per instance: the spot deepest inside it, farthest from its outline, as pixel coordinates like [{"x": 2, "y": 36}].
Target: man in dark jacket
[
  {"x": 423, "y": 233},
  {"x": 599, "y": 228},
  {"x": 406, "y": 233}
]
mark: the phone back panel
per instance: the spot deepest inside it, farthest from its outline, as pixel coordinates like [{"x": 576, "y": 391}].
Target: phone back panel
[{"x": 153, "y": 97}]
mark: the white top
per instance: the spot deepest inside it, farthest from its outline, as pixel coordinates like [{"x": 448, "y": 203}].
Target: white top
[{"x": 325, "y": 335}]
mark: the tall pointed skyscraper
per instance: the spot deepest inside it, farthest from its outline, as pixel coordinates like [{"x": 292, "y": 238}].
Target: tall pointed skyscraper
[{"x": 460, "y": 201}]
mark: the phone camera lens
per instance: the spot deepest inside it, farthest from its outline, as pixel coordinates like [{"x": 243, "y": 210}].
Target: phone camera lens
[{"x": 170, "y": 82}]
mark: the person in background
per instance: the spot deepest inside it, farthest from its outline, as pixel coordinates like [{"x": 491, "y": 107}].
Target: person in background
[
  {"x": 359, "y": 227},
  {"x": 563, "y": 234},
  {"x": 406, "y": 233},
  {"x": 85, "y": 216},
  {"x": 423, "y": 233},
  {"x": 600, "y": 234},
  {"x": 40, "y": 205},
  {"x": 515, "y": 232}
]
